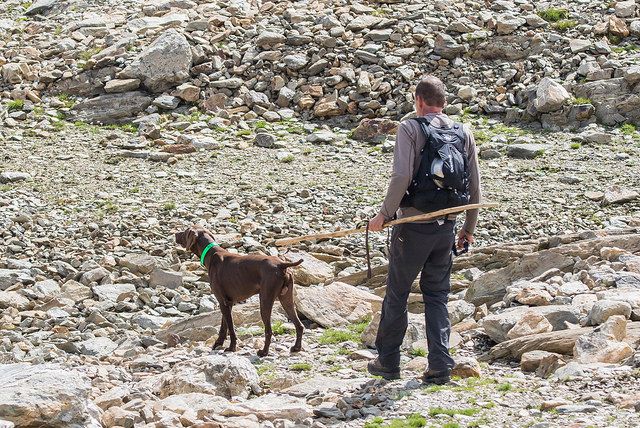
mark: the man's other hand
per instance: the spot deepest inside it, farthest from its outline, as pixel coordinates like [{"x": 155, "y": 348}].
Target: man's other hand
[
  {"x": 463, "y": 235},
  {"x": 375, "y": 224}
]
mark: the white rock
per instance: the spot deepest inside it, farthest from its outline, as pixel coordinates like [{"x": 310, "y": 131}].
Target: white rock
[
  {"x": 272, "y": 406},
  {"x": 550, "y": 95},
  {"x": 46, "y": 395}
]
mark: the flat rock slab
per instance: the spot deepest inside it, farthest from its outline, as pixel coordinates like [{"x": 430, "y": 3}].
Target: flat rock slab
[
  {"x": 324, "y": 384},
  {"x": 111, "y": 108},
  {"x": 272, "y": 406},
  {"x": 46, "y": 395},
  {"x": 336, "y": 304},
  {"x": 9, "y": 277}
]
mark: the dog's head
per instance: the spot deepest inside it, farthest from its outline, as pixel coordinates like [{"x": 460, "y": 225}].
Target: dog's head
[{"x": 189, "y": 237}]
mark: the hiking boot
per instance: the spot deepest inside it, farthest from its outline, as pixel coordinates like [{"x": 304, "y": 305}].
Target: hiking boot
[
  {"x": 377, "y": 369},
  {"x": 431, "y": 377}
]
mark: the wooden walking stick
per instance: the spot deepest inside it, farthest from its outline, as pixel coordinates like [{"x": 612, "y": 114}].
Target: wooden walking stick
[{"x": 422, "y": 217}]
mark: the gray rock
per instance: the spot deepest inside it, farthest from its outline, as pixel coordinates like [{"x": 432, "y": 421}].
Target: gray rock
[
  {"x": 13, "y": 299},
  {"x": 447, "y": 47},
  {"x": 97, "y": 347},
  {"x": 576, "y": 408},
  {"x": 46, "y": 395},
  {"x": 265, "y": 140},
  {"x": 550, "y": 96},
  {"x": 224, "y": 375},
  {"x": 296, "y": 62},
  {"x": 138, "y": 262},
  {"x": 311, "y": 271},
  {"x": 498, "y": 325},
  {"x": 111, "y": 108},
  {"x": 269, "y": 38},
  {"x": 618, "y": 195},
  {"x": 165, "y": 278},
  {"x": 272, "y": 406},
  {"x": 9, "y": 277},
  {"x": 167, "y": 102},
  {"x": 121, "y": 85},
  {"x": 459, "y": 310},
  {"x": 362, "y": 21},
  {"x": 603, "y": 309},
  {"x": 165, "y": 63},
  {"x": 232, "y": 83},
  {"x": 336, "y": 304},
  {"x": 14, "y": 176},
  {"x": 114, "y": 292},
  {"x": 40, "y": 7},
  {"x": 526, "y": 151}
]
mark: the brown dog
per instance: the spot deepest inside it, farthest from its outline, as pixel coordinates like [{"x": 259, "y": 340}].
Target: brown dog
[{"x": 234, "y": 278}]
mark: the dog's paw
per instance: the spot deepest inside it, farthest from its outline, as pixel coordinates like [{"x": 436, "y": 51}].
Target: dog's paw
[
  {"x": 217, "y": 345},
  {"x": 230, "y": 349},
  {"x": 263, "y": 353},
  {"x": 296, "y": 348}
]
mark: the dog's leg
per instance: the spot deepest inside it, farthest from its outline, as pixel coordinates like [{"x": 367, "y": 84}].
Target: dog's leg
[
  {"x": 222, "y": 336},
  {"x": 226, "y": 313},
  {"x": 266, "y": 305},
  {"x": 289, "y": 307}
]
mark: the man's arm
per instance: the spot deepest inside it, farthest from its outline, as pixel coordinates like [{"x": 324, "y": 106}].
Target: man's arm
[
  {"x": 401, "y": 175},
  {"x": 475, "y": 193}
]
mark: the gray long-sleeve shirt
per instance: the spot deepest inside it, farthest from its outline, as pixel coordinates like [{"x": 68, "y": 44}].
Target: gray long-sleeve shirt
[{"x": 406, "y": 160}]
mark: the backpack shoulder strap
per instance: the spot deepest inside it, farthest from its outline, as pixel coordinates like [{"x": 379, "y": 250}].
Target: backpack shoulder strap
[{"x": 425, "y": 126}]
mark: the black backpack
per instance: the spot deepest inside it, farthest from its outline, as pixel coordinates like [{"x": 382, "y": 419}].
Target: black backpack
[{"x": 442, "y": 179}]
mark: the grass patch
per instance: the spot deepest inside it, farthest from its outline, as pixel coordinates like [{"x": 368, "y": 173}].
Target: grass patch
[
  {"x": 628, "y": 129},
  {"x": 418, "y": 352},
  {"x": 504, "y": 387},
  {"x": 435, "y": 411},
  {"x": 66, "y": 100},
  {"x": 169, "y": 206},
  {"x": 565, "y": 24},
  {"x": 279, "y": 329},
  {"x": 553, "y": 14},
  {"x": 266, "y": 368},
  {"x": 412, "y": 421},
  {"x": 451, "y": 425},
  {"x": 15, "y": 105},
  {"x": 243, "y": 132},
  {"x": 581, "y": 100},
  {"x": 126, "y": 127},
  {"x": 109, "y": 207},
  {"x": 352, "y": 333},
  {"x": 86, "y": 55},
  {"x": 471, "y": 384},
  {"x": 300, "y": 367},
  {"x": 287, "y": 159},
  {"x": 626, "y": 49},
  {"x": 576, "y": 146},
  {"x": 260, "y": 124}
]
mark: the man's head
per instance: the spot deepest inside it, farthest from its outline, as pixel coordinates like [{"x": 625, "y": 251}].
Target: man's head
[{"x": 430, "y": 96}]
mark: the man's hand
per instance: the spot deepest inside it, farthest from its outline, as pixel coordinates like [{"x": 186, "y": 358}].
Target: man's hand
[
  {"x": 463, "y": 235},
  {"x": 375, "y": 224}
]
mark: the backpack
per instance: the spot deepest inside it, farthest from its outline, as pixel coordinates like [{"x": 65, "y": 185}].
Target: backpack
[{"x": 442, "y": 178}]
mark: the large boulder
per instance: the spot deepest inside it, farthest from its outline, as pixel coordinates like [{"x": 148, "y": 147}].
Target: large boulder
[
  {"x": 111, "y": 108},
  {"x": 46, "y": 395},
  {"x": 374, "y": 130},
  {"x": 550, "y": 96},
  {"x": 491, "y": 287},
  {"x": 337, "y": 304},
  {"x": 162, "y": 65},
  {"x": 311, "y": 271},
  {"x": 497, "y": 326},
  {"x": 604, "y": 344},
  {"x": 224, "y": 375},
  {"x": 603, "y": 309},
  {"x": 416, "y": 331},
  {"x": 272, "y": 406}
]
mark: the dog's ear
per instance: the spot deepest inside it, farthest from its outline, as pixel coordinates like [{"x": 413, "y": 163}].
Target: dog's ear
[{"x": 190, "y": 239}]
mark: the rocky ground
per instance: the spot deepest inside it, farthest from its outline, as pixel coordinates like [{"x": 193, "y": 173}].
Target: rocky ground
[{"x": 105, "y": 322}]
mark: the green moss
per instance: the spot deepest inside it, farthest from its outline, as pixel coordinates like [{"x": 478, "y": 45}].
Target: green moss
[
  {"x": 418, "y": 352},
  {"x": 412, "y": 421},
  {"x": 628, "y": 129},
  {"x": 576, "y": 146},
  {"x": 260, "y": 124},
  {"x": 435, "y": 411},
  {"x": 553, "y": 14},
  {"x": 169, "y": 206},
  {"x": 626, "y": 49},
  {"x": 300, "y": 367},
  {"x": 243, "y": 132},
  {"x": 15, "y": 105},
  {"x": 66, "y": 100},
  {"x": 565, "y": 24},
  {"x": 352, "y": 334},
  {"x": 86, "y": 55},
  {"x": 279, "y": 329},
  {"x": 504, "y": 387},
  {"x": 126, "y": 127},
  {"x": 288, "y": 159},
  {"x": 581, "y": 100}
]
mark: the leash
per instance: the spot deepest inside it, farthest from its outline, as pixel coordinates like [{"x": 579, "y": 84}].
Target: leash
[{"x": 366, "y": 244}]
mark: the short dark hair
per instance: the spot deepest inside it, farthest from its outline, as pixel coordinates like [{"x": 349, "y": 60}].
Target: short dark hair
[{"x": 432, "y": 91}]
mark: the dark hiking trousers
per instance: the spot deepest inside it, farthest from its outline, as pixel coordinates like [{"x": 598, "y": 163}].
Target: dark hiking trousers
[{"x": 425, "y": 249}]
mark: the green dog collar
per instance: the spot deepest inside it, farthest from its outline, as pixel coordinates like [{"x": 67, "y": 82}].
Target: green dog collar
[{"x": 206, "y": 250}]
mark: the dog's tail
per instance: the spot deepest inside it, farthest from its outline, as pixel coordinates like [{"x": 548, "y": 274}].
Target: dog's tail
[
  {"x": 284, "y": 265},
  {"x": 288, "y": 278}
]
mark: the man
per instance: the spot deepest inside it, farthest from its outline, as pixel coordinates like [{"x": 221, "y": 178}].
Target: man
[{"x": 426, "y": 247}]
